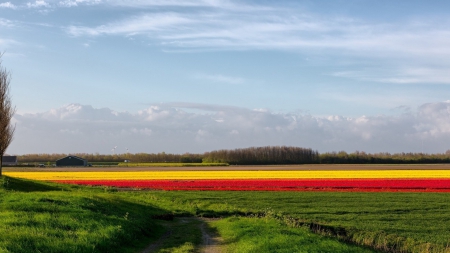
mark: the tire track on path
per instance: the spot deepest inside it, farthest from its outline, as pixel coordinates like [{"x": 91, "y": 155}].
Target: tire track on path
[{"x": 211, "y": 241}]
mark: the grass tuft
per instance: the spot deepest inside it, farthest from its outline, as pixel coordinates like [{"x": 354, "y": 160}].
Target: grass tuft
[
  {"x": 266, "y": 235},
  {"x": 45, "y": 217}
]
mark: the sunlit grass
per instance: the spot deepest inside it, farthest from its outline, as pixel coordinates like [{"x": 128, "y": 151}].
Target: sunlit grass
[
  {"x": 408, "y": 220},
  {"x": 267, "y": 235},
  {"x": 48, "y": 217},
  {"x": 37, "y": 217}
]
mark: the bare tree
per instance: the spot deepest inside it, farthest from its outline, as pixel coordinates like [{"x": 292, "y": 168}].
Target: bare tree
[{"x": 7, "y": 111}]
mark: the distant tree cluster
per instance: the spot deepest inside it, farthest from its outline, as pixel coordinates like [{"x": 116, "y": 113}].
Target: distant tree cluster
[
  {"x": 357, "y": 157},
  {"x": 139, "y": 157},
  {"x": 263, "y": 156},
  {"x": 255, "y": 156}
]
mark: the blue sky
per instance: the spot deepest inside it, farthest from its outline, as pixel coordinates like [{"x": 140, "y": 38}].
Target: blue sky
[{"x": 192, "y": 76}]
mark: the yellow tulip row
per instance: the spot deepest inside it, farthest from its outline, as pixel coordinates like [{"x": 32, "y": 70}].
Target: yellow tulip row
[{"x": 173, "y": 175}]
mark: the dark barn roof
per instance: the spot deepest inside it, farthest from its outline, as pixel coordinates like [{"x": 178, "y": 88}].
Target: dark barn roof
[
  {"x": 71, "y": 160},
  {"x": 9, "y": 159}
]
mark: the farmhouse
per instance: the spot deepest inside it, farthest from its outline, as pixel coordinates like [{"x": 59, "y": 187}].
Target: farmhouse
[
  {"x": 71, "y": 160},
  {"x": 9, "y": 160}
]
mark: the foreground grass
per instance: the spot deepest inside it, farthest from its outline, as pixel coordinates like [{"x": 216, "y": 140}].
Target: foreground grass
[
  {"x": 395, "y": 222},
  {"x": 184, "y": 236},
  {"x": 39, "y": 217},
  {"x": 250, "y": 235},
  {"x": 267, "y": 235},
  {"x": 46, "y": 217}
]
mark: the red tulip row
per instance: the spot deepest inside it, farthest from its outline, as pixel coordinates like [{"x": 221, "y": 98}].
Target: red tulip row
[{"x": 434, "y": 185}]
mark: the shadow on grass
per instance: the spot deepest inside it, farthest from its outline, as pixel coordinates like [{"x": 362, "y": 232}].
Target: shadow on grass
[
  {"x": 332, "y": 235},
  {"x": 220, "y": 214},
  {"x": 23, "y": 185},
  {"x": 101, "y": 220},
  {"x": 185, "y": 234}
]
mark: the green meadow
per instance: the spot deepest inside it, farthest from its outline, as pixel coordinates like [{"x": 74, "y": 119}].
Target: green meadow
[
  {"x": 48, "y": 217},
  {"x": 244, "y": 234}
]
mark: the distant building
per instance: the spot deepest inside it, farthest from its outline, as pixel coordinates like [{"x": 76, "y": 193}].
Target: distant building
[
  {"x": 9, "y": 160},
  {"x": 71, "y": 160}
]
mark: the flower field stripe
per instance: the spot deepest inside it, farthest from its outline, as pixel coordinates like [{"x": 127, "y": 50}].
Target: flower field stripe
[
  {"x": 228, "y": 174},
  {"x": 437, "y": 185}
]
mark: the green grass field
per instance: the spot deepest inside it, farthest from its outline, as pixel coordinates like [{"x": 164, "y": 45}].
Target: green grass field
[
  {"x": 39, "y": 217},
  {"x": 48, "y": 217},
  {"x": 413, "y": 222},
  {"x": 269, "y": 235}
]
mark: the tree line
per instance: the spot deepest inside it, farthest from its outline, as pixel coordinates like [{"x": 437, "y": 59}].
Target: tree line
[
  {"x": 99, "y": 158},
  {"x": 357, "y": 157},
  {"x": 254, "y": 156},
  {"x": 263, "y": 155}
]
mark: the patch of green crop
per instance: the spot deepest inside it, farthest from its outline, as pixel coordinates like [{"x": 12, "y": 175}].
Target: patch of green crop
[
  {"x": 267, "y": 235},
  {"x": 183, "y": 236},
  {"x": 44, "y": 217},
  {"x": 50, "y": 217},
  {"x": 413, "y": 221}
]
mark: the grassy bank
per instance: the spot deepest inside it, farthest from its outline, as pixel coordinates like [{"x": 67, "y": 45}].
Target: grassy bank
[
  {"x": 394, "y": 222},
  {"x": 47, "y": 217},
  {"x": 40, "y": 217},
  {"x": 267, "y": 234}
]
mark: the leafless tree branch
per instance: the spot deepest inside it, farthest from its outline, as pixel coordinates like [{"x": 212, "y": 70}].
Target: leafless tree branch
[{"x": 7, "y": 111}]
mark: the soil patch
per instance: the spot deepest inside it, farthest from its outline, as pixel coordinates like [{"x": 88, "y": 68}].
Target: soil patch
[
  {"x": 155, "y": 245},
  {"x": 211, "y": 241}
]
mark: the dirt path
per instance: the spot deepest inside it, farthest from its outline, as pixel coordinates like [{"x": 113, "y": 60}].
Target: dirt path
[
  {"x": 210, "y": 240},
  {"x": 155, "y": 245}
]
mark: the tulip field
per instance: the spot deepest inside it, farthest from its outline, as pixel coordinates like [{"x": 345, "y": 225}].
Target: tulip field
[
  {"x": 368, "y": 180},
  {"x": 392, "y": 208},
  {"x": 427, "y": 185}
]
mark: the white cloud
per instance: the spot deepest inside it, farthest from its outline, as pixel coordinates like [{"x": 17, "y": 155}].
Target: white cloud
[
  {"x": 83, "y": 113},
  {"x": 420, "y": 48},
  {"x": 276, "y": 29},
  {"x": 410, "y": 75},
  {"x": 38, "y": 4},
  {"x": 136, "y": 25},
  {"x": 387, "y": 101},
  {"x": 68, "y": 3},
  {"x": 8, "y": 5},
  {"x": 217, "y": 4},
  {"x": 6, "y": 23},
  {"x": 138, "y": 3},
  {"x": 72, "y": 3},
  {"x": 169, "y": 128},
  {"x": 5, "y": 43},
  {"x": 50, "y": 4}
]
